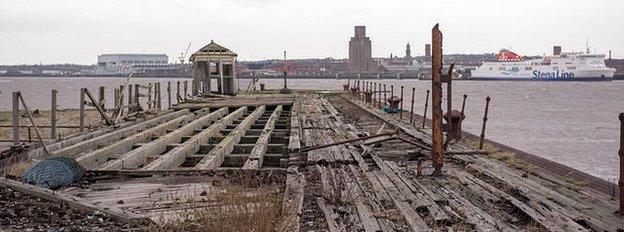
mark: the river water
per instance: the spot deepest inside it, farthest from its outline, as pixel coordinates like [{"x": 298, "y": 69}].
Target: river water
[{"x": 574, "y": 123}]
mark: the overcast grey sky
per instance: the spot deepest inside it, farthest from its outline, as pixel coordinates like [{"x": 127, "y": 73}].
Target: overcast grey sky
[{"x": 76, "y": 31}]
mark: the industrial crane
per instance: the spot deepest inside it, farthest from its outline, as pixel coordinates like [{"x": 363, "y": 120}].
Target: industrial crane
[{"x": 183, "y": 55}]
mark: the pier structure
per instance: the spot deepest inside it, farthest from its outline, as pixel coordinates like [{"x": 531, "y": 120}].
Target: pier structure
[
  {"x": 324, "y": 161},
  {"x": 218, "y": 62}
]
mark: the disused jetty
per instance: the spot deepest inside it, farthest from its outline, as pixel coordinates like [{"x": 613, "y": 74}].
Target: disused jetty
[{"x": 322, "y": 161}]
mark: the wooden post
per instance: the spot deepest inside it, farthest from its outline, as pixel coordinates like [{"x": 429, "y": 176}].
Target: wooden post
[
  {"x": 32, "y": 121},
  {"x": 99, "y": 109},
  {"x": 621, "y": 154},
  {"x": 53, "y": 115},
  {"x": 437, "y": 149},
  {"x": 16, "y": 118},
  {"x": 401, "y": 110},
  {"x": 137, "y": 95},
  {"x": 412, "y": 107},
  {"x": 185, "y": 90},
  {"x": 168, "y": 94},
  {"x": 82, "y": 109},
  {"x": 102, "y": 97},
  {"x": 485, "y": 118},
  {"x": 129, "y": 98},
  {"x": 178, "y": 97},
  {"x": 115, "y": 97},
  {"x": 159, "y": 99},
  {"x": 149, "y": 96},
  {"x": 424, "y": 116},
  {"x": 463, "y": 104}
]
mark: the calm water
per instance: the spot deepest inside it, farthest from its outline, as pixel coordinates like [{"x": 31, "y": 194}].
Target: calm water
[{"x": 574, "y": 123}]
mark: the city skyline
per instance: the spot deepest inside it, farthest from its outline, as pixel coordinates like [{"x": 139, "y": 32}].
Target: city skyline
[{"x": 76, "y": 32}]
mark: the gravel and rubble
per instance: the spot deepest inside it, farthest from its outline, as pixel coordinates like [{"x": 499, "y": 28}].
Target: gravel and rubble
[{"x": 21, "y": 212}]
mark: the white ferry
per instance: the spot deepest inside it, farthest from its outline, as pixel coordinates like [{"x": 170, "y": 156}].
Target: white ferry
[{"x": 565, "y": 66}]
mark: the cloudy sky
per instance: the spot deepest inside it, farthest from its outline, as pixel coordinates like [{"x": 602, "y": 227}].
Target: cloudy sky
[{"x": 76, "y": 31}]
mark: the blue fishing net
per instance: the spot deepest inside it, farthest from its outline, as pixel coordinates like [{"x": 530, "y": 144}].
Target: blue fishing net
[{"x": 55, "y": 172}]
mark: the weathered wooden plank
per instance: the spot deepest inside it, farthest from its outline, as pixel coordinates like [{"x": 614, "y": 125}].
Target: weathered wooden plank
[
  {"x": 113, "y": 136},
  {"x": 136, "y": 157},
  {"x": 72, "y": 201},
  {"x": 254, "y": 161},
  {"x": 175, "y": 157},
  {"x": 292, "y": 205},
  {"x": 216, "y": 156}
]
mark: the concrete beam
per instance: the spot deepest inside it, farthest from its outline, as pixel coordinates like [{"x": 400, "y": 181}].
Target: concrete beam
[
  {"x": 216, "y": 156},
  {"x": 175, "y": 157},
  {"x": 137, "y": 157},
  {"x": 255, "y": 159},
  {"x": 109, "y": 138}
]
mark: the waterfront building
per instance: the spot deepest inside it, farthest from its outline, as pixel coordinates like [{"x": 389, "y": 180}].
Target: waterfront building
[
  {"x": 126, "y": 63},
  {"x": 360, "y": 52}
]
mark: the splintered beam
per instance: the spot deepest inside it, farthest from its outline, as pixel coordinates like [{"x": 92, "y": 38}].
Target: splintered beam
[
  {"x": 176, "y": 156},
  {"x": 216, "y": 156},
  {"x": 137, "y": 157},
  {"x": 257, "y": 153},
  {"x": 436, "y": 100}
]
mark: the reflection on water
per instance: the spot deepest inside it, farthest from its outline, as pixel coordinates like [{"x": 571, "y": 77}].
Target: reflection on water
[{"x": 574, "y": 123}]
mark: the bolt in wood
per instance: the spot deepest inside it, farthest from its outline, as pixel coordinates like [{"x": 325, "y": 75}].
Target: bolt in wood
[
  {"x": 485, "y": 117},
  {"x": 412, "y": 107}
]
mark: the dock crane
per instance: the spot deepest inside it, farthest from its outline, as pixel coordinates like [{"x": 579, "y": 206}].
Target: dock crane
[{"x": 183, "y": 54}]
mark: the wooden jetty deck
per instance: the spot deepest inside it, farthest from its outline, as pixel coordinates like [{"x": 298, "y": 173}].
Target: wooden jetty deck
[{"x": 184, "y": 160}]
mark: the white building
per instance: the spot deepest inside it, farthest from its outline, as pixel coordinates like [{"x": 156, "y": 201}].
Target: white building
[{"x": 125, "y": 63}]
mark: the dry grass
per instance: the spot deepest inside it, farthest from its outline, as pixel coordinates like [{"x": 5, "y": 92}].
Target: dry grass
[
  {"x": 510, "y": 159},
  {"x": 235, "y": 208},
  {"x": 16, "y": 168}
]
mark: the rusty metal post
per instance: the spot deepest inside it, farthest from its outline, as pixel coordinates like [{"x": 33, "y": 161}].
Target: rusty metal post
[
  {"x": 385, "y": 98},
  {"x": 374, "y": 94},
  {"x": 401, "y": 107},
  {"x": 391, "y": 91},
  {"x": 412, "y": 107},
  {"x": 621, "y": 154},
  {"x": 53, "y": 115},
  {"x": 424, "y": 116},
  {"x": 437, "y": 146},
  {"x": 16, "y": 118},
  {"x": 487, "y": 106},
  {"x": 82, "y": 109},
  {"x": 463, "y": 104}
]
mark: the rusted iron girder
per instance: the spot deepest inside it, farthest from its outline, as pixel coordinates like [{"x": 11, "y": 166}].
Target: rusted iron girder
[
  {"x": 437, "y": 149},
  {"x": 306, "y": 149},
  {"x": 485, "y": 118}
]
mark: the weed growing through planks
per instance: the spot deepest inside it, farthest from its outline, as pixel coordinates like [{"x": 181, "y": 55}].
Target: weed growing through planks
[{"x": 227, "y": 207}]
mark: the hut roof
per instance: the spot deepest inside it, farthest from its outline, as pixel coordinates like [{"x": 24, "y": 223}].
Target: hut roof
[{"x": 213, "y": 51}]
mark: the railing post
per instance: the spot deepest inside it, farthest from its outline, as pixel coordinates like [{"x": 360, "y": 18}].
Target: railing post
[
  {"x": 16, "y": 118},
  {"x": 424, "y": 116},
  {"x": 129, "y": 97},
  {"x": 385, "y": 97},
  {"x": 53, "y": 115},
  {"x": 186, "y": 90},
  {"x": 169, "y": 94},
  {"x": 375, "y": 94},
  {"x": 401, "y": 109},
  {"x": 485, "y": 118},
  {"x": 412, "y": 108},
  {"x": 82, "y": 109}
]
